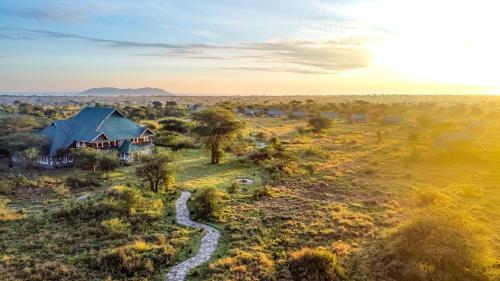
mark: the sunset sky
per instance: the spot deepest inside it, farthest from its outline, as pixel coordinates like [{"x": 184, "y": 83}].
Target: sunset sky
[{"x": 252, "y": 47}]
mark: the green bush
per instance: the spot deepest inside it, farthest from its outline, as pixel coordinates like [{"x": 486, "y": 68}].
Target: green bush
[
  {"x": 120, "y": 201},
  {"x": 79, "y": 181},
  {"x": 5, "y": 187},
  {"x": 207, "y": 203},
  {"x": 315, "y": 265},
  {"x": 116, "y": 227},
  {"x": 128, "y": 201},
  {"x": 436, "y": 244}
]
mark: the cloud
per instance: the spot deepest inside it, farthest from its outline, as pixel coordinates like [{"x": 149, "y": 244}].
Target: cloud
[
  {"x": 277, "y": 69},
  {"x": 46, "y": 14},
  {"x": 298, "y": 56}
]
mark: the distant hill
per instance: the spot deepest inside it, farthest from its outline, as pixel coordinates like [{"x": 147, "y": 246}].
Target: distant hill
[{"x": 109, "y": 91}]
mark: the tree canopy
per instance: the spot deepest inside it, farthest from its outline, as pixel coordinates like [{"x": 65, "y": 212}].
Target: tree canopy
[{"x": 216, "y": 126}]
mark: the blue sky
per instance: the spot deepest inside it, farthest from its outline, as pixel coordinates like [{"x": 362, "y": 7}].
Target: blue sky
[{"x": 228, "y": 47}]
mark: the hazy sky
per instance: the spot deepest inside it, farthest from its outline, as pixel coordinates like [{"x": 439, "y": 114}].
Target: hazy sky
[{"x": 251, "y": 46}]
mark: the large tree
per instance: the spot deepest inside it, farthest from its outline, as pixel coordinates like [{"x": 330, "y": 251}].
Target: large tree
[
  {"x": 27, "y": 143},
  {"x": 157, "y": 171},
  {"x": 108, "y": 162},
  {"x": 216, "y": 126},
  {"x": 86, "y": 158}
]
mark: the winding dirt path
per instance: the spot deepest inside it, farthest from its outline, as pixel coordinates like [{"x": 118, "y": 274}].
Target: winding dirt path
[{"x": 208, "y": 245}]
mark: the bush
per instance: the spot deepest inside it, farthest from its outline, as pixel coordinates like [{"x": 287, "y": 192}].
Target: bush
[
  {"x": 260, "y": 156},
  {"x": 315, "y": 264},
  {"x": 233, "y": 188},
  {"x": 424, "y": 197},
  {"x": 262, "y": 192},
  {"x": 77, "y": 181},
  {"x": 5, "y": 187},
  {"x": 207, "y": 203},
  {"x": 5, "y": 213},
  {"x": 127, "y": 201},
  {"x": 120, "y": 201},
  {"x": 137, "y": 258},
  {"x": 116, "y": 227},
  {"x": 320, "y": 123},
  {"x": 436, "y": 244},
  {"x": 248, "y": 265}
]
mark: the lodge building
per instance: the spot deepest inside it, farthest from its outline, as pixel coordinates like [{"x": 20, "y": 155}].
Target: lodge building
[{"x": 96, "y": 127}]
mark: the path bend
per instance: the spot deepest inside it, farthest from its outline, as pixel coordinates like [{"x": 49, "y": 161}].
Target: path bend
[{"x": 208, "y": 245}]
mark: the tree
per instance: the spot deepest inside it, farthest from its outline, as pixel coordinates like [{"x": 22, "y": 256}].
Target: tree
[
  {"x": 156, "y": 170},
  {"x": 31, "y": 154},
  {"x": 18, "y": 142},
  {"x": 319, "y": 123},
  {"x": 176, "y": 125},
  {"x": 216, "y": 126},
  {"x": 108, "y": 162},
  {"x": 86, "y": 158}
]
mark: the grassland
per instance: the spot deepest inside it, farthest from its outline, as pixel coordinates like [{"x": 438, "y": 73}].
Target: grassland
[{"x": 345, "y": 189}]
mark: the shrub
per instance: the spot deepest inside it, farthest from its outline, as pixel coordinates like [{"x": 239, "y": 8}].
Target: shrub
[
  {"x": 120, "y": 201},
  {"x": 262, "y": 192},
  {"x": 128, "y": 201},
  {"x": 315, "y": 264},
  {"x": 436, "y": 244},
  {"x": 116, "y": 227},
  {"x": 78, "y": 181},
  {"x": 233, "y": 188},
  {"x": 207, "y": 203},
  {"x": 320, "y": 123},
  {"x": 5, "y": 213},
  {"x": 137, "y": 258},
  {"x": 423, "y": 197},
  {"x": 248, "y": 265},
  {"x": 5, "y": 187},
  {"x": 260, "y": 156},
  {"x": 301, "y": 131}
]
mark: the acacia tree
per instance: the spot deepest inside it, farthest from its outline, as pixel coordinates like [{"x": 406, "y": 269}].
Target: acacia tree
[
  {"x": 216, "y": 126},
  {"x": 108, "y": 162},
  {"x": 156, "y": 170},
  {"x": 86, "y": 158}
]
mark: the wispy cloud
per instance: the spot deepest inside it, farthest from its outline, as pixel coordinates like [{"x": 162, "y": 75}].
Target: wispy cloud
[
  {"x": 46, "y": 14},
  {"x": 308, "y": 56}
]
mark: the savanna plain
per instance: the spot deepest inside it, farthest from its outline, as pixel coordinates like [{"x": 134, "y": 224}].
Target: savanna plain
[{"x": 337, "y": 188}]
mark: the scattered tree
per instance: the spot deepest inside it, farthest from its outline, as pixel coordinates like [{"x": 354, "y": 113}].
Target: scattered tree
[
  {"x": 156, "y": 170},
  {"x": 108, "y": 162},
  {"x": 86, "y": 158},
  {"x": 216, "y": 126}
]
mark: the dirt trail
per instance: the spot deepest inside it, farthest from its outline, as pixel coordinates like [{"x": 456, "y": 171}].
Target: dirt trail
[{"x": 208, "y": 245}]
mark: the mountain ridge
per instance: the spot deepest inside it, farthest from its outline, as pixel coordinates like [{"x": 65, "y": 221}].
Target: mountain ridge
[{"x": 112, "y": 91}]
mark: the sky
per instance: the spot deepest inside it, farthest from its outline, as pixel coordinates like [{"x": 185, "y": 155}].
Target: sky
[{"x": 251, "y": 47}]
